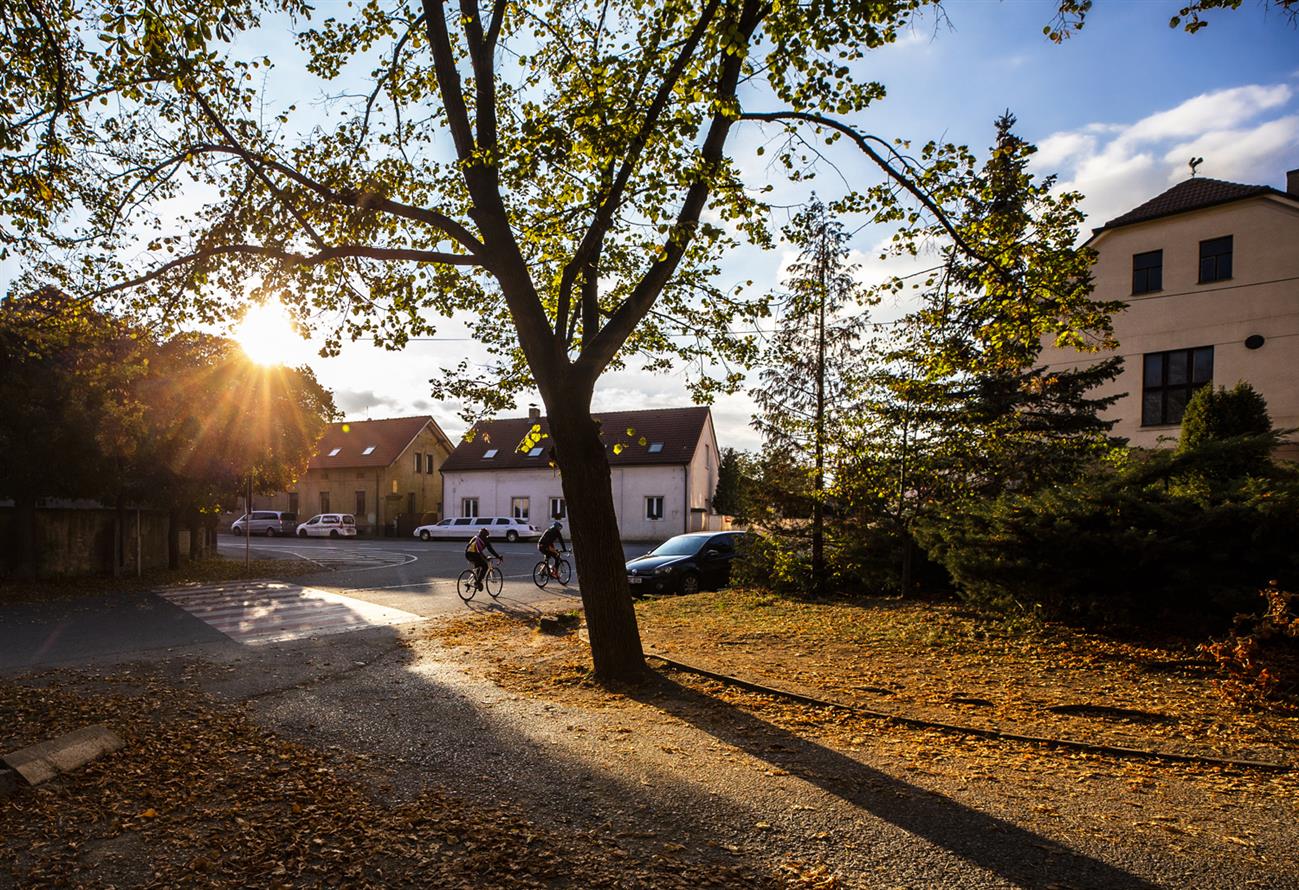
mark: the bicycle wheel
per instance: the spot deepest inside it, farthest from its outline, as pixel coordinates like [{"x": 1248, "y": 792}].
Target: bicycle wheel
[
  {"x": 540, "y": 575},
  {"x": 493, "y": 581},
  {"x": 565, "y": 572},
  {"x": 465, "y": 585}
]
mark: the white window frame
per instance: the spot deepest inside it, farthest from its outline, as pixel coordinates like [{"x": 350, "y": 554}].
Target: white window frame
[
  {"x": 649, "y": 505},
  {"x": 558, "y": 508},
  {"x": 525, "y": 503},
  {"x": 469, "y": 508}
]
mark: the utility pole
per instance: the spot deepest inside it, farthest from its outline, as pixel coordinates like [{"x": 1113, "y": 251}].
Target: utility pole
[
  {"x": 818, "y": 502},
  {"x": 248, "y": 523}
]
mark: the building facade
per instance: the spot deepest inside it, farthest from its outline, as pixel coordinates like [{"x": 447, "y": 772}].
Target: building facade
[
  {"x": 1210, "y": 273},
  {"x": 663, "y": 473},
  {"x": 387, "y": 473}
]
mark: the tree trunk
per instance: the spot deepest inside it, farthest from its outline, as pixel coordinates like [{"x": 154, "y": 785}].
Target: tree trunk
[
  {"x": 25, "y": 517},
  {"x": 173, "y": 539},
  {"x": 597, "y": 545},
  {"x": 818, "y": 506}
]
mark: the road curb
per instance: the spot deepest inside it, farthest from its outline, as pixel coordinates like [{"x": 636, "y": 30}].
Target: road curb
[{"x": 43, "y": 761}]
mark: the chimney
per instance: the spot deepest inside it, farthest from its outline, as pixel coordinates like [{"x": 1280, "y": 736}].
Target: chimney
[
  {"x": 534, "y": 413},
  {"x": 1292, "y": 182}
]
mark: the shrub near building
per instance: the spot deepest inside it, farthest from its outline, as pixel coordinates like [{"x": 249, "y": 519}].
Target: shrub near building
[{"x": 1146, "y": 538}]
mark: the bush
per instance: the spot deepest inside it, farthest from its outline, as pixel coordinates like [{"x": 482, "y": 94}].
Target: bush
[
  {"x": 1260, "y": 657},
  {"x": 1131, "y": 546}
]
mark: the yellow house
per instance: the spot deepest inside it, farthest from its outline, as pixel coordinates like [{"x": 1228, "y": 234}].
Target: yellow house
[
  {"x": 1210, "y": 272},
  {"x": 387, "y": 473}
]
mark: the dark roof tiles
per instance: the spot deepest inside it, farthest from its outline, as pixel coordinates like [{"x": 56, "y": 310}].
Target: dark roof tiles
[
  {"x": 351, "y": 439},
  {"x": 678, "y": 429},
  {"x": 1190, "y": 194}
]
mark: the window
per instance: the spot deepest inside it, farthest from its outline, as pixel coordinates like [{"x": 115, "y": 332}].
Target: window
[
  {"x": 1168, "y": 379},
  {"x": 504, "y": 521},
  {"x": 460, "y": 522},
  {"x": 334, "y": 453},
  {"x": 369, "y": 449},
  {"x": 558, "y": 509},
  {"x": 519, "y": 508},
  {"x": 360, "y": 503},
  {"x": 1215, "y": 259},
  {"x": 482, "y": 522},
  {"x": 418, "y": 462},
  {"x": 489, "y": 454},
  {"x": 1147, "y": 272},
  {"x": 535, "y": 452},
  {"x": 655, "y": 447},
  {"x": 428, "y": 463},
  {"x": 654, "y": 507},
  {"x": 324, "y": 502},
  {"x": 410, "y": 503},
  {"x": 293, "y": 502},
  {"x": 469, "y": 507}
]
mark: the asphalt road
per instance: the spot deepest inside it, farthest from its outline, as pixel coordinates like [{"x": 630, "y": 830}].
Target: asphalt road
[
  {"x": 407, "y": 575},
  {"x": 411, "y": 575}
]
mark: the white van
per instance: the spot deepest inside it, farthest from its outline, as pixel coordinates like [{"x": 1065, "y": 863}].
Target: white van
[
  {"x": 329, "y": 525},
  {"x": 466, "y": 527}
]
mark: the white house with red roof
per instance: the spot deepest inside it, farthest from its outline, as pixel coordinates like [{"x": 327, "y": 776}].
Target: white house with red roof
[
  {"x": 1210, "y": 272},
  {"x": 663, "y": 466}
]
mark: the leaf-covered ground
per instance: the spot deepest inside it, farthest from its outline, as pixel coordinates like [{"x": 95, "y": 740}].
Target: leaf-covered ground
[
  {"x": 201, "y": 796},
  {"x": 937, "y": 662}
]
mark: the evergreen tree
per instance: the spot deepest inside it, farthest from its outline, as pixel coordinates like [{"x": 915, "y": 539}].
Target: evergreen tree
[
  {"x": 959, "y": 406},
  {"x": 810, "y": 371}
]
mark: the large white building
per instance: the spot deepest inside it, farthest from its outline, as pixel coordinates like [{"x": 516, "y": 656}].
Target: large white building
[
  {"x": 1210, "y": 272},
  {"x": 664, "y": 474}
]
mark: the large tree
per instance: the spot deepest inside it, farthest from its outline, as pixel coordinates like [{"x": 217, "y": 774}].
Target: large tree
[
  {"x": 810, "y": 379},
  {"x": 564, "y": 171}
]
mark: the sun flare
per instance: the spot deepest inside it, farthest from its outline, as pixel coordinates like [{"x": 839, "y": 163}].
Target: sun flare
[{"x": 266, "y": 335}]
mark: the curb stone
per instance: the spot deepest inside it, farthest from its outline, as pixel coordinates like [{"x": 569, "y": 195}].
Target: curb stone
[{"x": 43, "y": 761}]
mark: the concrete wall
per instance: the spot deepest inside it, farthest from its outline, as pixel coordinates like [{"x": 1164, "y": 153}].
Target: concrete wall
[
  {"x": 76, "y": 541},
  {"x": 1262, "y": 297}
]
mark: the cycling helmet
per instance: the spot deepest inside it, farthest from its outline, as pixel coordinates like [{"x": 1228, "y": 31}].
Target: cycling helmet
[
  {"x": 557, "y": 525},
  {"x": 484, "y": 533}
]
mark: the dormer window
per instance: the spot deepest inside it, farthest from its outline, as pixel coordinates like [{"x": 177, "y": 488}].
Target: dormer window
[
  {"x": 655, "y": 447},
  {"x": 369, "y": 449},
  {"x": 489, "y": 454},
  {"x": 335, "y": 452},
  {"x": 535, "y": 452}
]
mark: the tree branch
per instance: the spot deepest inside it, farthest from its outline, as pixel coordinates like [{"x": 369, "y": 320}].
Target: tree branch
[
  {"x": 599, "y": 350},
  {"x": 863, "y": 142},
  {"x": 292, "y": 260}
]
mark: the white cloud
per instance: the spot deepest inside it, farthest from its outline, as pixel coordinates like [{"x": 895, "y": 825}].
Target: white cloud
[{"x": 1245, "y": 134}]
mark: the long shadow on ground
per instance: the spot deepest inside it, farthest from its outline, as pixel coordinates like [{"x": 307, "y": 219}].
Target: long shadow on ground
[{"x": 1003, "y": 848}]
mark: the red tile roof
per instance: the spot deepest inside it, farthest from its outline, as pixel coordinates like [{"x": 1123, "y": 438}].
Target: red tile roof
[
  {"x": 389, "y": 439},
  {"x": 678, "y": 429},
  {"x": 1190, "y": 194}
]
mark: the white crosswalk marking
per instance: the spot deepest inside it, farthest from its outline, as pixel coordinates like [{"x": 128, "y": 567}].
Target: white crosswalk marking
[{"x": 255, "y": 612}]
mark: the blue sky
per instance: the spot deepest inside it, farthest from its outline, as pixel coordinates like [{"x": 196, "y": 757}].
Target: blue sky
[{"x": 1117, "y": 110}]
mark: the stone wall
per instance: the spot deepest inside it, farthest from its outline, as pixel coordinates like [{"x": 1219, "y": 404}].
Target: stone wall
[{"x": 79, "y": 540}]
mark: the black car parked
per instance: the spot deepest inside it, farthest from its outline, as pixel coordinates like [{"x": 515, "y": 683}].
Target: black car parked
[{"x": 685, "y": 564}]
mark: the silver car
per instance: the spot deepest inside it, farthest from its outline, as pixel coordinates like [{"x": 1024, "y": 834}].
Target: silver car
[{"x": 270, "y": 523}]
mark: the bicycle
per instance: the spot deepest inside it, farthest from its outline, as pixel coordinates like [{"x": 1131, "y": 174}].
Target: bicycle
[
  {"x": 542, "y": 575},
  {"x": 492, "y": 580}
]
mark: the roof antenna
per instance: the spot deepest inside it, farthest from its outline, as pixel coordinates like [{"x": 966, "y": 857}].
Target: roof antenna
[{"x": 1195, "y": 162}]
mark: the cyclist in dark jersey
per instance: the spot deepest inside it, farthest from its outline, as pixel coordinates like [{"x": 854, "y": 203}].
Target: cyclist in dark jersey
[
  {"x": 551, "y": 541},
  {"x": 474, "y": 552}
]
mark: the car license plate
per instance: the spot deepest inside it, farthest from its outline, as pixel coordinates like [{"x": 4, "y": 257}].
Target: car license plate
[{"x": 633, "y": 579}]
